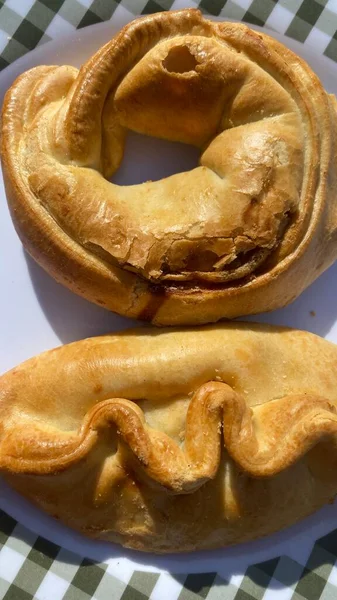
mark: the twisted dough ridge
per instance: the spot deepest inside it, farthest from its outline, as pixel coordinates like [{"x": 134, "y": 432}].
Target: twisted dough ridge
[
  {"x": 303, "y": 421},
  {"x": 246, "y": 231}
]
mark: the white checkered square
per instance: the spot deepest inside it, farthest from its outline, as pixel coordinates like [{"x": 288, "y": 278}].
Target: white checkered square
[
  {"x": 57, "y": 25},
  {"x": 52, "y": 587},
  {"x": 11, "y": 562},
  {"x": 279, "y": 19}
]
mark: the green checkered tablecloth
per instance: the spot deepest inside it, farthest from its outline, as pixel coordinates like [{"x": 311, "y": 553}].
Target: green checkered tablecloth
[
  {"x": 32, "y": 567},
  {"x": 25, "y": 24}
]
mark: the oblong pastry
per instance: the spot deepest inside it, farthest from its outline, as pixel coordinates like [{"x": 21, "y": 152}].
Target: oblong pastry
[
  {"x": 175, "y": 441},
  {"x": 244, "y": 232}
]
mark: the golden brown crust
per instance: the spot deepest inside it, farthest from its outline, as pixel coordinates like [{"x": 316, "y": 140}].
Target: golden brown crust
[
  {"x": 244, "y": 232},
  {"x": 175, "y": 441}
]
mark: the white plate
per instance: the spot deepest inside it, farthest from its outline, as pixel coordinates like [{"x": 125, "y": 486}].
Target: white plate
[{"x": 37, "y": 314}]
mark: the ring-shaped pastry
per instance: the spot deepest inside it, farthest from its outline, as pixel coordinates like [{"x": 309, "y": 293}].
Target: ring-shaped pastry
[{"x": 244, "y": 232}]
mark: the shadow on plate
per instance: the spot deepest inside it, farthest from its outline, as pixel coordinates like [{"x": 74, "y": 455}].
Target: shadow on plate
[
  {"x": 148, "y": 158},
  {"x": 71, "y": 317},
  {"x": 74, "y": 318},
  {"x": 315, "y": 310}
]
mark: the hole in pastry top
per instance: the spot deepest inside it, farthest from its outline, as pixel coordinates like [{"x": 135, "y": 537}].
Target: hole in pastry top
[
  {"x": 180, "y": 60},
  {"x": 152, "y": 159}
]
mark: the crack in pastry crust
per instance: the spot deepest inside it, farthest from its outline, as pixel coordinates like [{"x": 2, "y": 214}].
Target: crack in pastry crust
[
  {"x": 175, "y": 440},
  {"x": 246, "y": 231}
]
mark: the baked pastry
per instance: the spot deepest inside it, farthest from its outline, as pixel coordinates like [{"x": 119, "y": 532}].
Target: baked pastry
[
  {"x": 175, "y": 441},
  {"x": 244, "y": 232}
]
